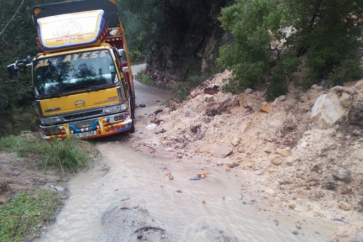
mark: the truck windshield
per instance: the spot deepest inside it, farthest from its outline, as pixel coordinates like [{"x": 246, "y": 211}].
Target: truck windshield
[{"x": 71, "y": 72}]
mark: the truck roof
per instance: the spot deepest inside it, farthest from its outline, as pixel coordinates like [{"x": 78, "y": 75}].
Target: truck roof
[{"x": 108, "y": 6}]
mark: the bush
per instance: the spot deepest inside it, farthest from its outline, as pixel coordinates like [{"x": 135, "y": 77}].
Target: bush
[
  {"x": 68, "y": 155},
  {"x": 143, "y": 77}
]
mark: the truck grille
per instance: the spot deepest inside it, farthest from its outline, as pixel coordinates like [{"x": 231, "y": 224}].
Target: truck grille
[{"x": 82, "y": 115}]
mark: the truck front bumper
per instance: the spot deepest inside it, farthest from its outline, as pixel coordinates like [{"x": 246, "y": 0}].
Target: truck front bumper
[{"x": 89, "y": 129}]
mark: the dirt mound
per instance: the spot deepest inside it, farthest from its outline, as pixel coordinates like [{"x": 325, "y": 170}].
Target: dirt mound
[{"x": 278, "y": 146}]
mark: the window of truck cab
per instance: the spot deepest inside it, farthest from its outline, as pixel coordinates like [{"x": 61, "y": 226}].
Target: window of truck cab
[{"x": 75, "y": 71}]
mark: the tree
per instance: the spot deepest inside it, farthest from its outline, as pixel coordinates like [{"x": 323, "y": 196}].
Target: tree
[{"x": 327, "y": 32}]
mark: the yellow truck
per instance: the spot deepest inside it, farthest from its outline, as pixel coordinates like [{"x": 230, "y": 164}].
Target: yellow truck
[{"x": 82, "y": 79}]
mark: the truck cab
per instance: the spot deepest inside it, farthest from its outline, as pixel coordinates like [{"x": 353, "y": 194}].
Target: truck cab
[{"x": 82, "y": 76}]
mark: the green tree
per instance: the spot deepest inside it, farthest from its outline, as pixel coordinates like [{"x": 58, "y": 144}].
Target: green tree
[{"x": 328, "y": 33}]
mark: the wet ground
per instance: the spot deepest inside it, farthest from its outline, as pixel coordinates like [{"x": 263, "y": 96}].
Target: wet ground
[{"x": 128, "y": 196}]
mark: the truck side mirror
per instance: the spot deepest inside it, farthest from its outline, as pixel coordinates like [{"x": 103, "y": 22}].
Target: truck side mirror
[{"x": 13, "y": 70}]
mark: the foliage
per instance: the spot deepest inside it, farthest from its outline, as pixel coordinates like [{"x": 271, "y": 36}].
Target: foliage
[
  {"x": 143, "y": 77},
  {"x": 17, "y": 41},
  {"x": 254, "y": 24},
  {"x": 24, "y": 212},
  {"x": 67, "y": 155},
  {"x": 328, "y": 33}
]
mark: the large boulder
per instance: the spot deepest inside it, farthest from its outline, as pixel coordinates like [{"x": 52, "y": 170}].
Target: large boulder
[
  {"x": 355, "y": 113},
  {"x": 327, "y": 110}
]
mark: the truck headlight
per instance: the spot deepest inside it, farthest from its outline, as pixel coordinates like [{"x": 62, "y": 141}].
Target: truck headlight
[
  {"x": 51, "y": 120},
  {"x": 123, "y": 106},
  {"x": 112, "y": 109}
]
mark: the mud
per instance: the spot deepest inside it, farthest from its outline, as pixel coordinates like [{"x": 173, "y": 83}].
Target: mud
[{"x": 24, "y": 174}]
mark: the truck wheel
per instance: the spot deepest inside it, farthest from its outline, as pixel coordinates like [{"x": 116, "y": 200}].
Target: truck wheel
[{"x": 132, "y": 130}]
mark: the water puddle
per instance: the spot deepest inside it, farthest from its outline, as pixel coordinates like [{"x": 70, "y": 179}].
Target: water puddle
[{"x": 131, "y": 199}]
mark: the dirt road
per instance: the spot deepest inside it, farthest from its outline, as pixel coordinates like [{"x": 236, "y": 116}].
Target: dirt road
[{"x": 128, "y": 197}]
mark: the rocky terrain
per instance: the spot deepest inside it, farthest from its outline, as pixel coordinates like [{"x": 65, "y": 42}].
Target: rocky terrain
[{"x": 302, "y": 153}]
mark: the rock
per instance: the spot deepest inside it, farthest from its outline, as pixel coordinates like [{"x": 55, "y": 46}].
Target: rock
[
  {"x": 276, "y": 161},
  {"x": 232, "y": 164},
  {"x": 228, "y": 169},
  {"x": 355, "y": 114},
  {"x": 235, "y": 141},
  {"x": 346, "y": 100},
  {"x": 327, "y": 110},
  {"x": 142, "y": 105},
  {"x": 224, "y": 105},
  {"x": 348, "y": 234},
  {"x": 222, "y": 150},
  {"x": 180, "y": 140},
  {"x": 212, "y": 112},
  {"x": 170, "y": 176},
  {"x": 317, "y": 88},
  {"x": 267, "y": 108},
  {"x": 283, "y": 152},
  {"x": 151, "y": 126},
  {"x": 345, "y": 206},
  {"x": 189, "y": 113},
  {"x": 158, "y": 111},
  {"x": 250, "y": 102},
  {"x": 219, "y": 163},
  {"x": 292, "y": 206},
  {"x": 282, "y": 98},
  {"x": 211, "y": 90},
  {"x": 160, "y": 131},
  {"x": 295, "y": 232},
  {"x": 258, "y": 173},
  {"x": 249, "y": 91},
  {"x": 209, "y": 98},
  {"x": 240, "y": 150},
  {"x": 59, "y": 188},
  {"x": 173, "y": 105},
  {"x": 342, "y": 174},
  {"x": 359, "y": 86},
  {"x": 194, "y": 127}
]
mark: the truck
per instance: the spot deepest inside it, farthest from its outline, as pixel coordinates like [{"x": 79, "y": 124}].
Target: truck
[{"x": 82, "y": 79}]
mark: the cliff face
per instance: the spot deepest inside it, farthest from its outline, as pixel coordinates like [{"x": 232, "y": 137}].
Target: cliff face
[{"x": 194, "y": 51}]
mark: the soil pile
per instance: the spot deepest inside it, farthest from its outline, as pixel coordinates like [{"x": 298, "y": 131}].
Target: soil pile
[{"x": 303, "y": 152}]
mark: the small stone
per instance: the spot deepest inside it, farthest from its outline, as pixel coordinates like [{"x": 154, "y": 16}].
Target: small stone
[
  {"x": 142, "y": 105},
  {"x": 317, "y": 88},
  {"x": 282, "y": 98},
  {"x": 344, "y": 206},
  {"x": 276, "y": 161},
  {"x": 267, "y": 108},
  {"x": 194, "y": 128},
  {"x": 295, "y": 232},
  {"x": 298, "y": 226},
  {"x": 342, "y": 174},
  {"x": 346, "y": 100},
  {"x": 170, "y": 176},
  {"x": 283, "y": 152},
  {"x": 219, "y": 163},
  {"x": 258, "y": 173},
  {"x": 203, "y": 202},
  {"x": 160, "y": 131},
  {"x": 59, "y": 188},
  {"x": 249, "y": 91},
  {"x": 240, "y": 150},
  {"x": 292, "y": 206},
  {"x": 235, "y": 141},
  {"x": 228, "y": 169},
  {"x": 139, "y": 237},
  {"x": 158, "y": 111}
]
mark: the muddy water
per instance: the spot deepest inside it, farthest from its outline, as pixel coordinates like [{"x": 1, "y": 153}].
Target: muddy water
[{"x": 128, "y": 197}]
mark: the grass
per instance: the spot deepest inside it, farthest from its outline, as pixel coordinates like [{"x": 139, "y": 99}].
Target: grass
[
  {"x": 144, "y": 78},
  {"x": 68, "y": 155},
  {"x": 26, "y": 213}
]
